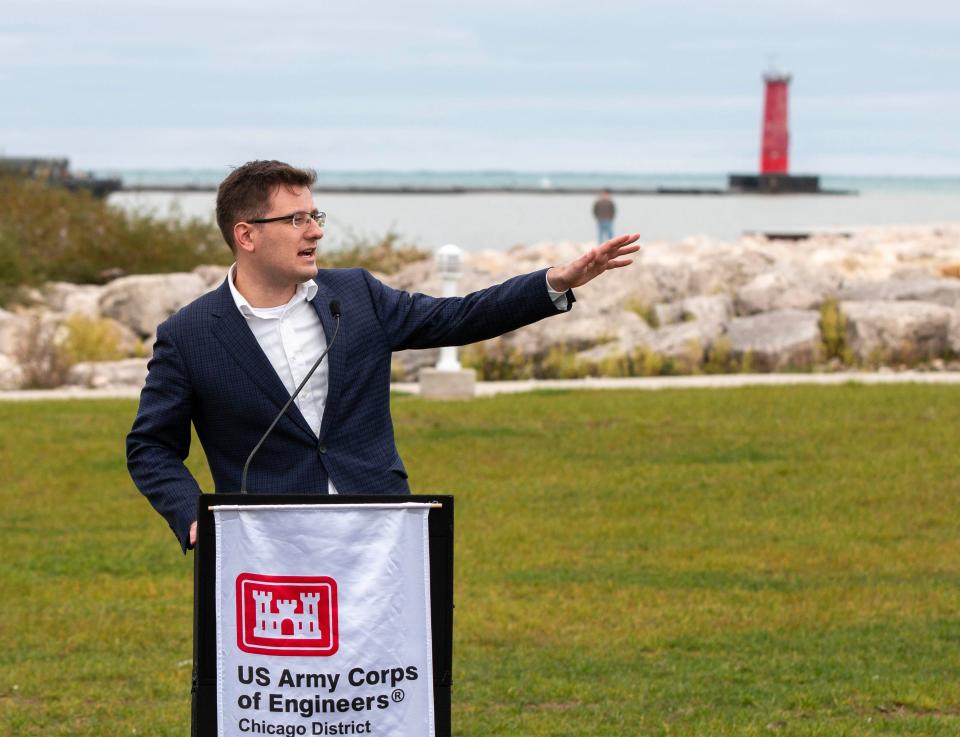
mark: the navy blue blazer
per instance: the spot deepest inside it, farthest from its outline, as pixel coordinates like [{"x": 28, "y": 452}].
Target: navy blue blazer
[{"x": 208, "y": 369}]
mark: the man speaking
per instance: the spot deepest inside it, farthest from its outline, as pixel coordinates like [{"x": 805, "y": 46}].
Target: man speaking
[{"x": 229, "y": 361}]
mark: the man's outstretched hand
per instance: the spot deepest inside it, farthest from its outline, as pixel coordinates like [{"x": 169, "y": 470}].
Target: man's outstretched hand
[
  {"x": 193, "y": 534},
  {"x": 594, "y": 262}
]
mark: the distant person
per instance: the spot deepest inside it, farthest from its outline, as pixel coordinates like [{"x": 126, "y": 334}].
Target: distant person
[
  {"x": 604, "y": 211},
  {"x": 227, "y": 362}
]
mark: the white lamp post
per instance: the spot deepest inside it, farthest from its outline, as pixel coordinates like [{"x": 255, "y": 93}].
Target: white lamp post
[
  {"x": 450, "y": 267},
  {"x": 448, "y": 380}
]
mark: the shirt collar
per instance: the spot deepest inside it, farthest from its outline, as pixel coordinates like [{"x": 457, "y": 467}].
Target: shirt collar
[{"x": 306, "y": 291}]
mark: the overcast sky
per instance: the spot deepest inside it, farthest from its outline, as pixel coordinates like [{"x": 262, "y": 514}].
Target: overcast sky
[{"x": 632, "y": 85}]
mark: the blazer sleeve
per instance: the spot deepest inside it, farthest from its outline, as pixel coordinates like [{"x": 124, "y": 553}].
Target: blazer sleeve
[
  {"x": 159, "y": 441},
  {"x": 413, "y": 320}
]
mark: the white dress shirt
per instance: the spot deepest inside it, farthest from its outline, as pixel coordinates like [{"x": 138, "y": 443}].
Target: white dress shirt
[{"x": 292, "y": 338}]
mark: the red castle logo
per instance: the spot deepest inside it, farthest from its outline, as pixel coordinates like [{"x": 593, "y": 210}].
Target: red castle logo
[{"x": 287, "y": 615}]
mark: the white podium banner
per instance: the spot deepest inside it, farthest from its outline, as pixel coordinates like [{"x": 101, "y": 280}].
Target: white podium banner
[{"x": 323, "y": 620}]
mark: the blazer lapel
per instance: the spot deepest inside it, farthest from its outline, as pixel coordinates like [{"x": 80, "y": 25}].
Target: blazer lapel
[
  {"x": 231, "y": 329},
  {"x": 335, "y": 358}
]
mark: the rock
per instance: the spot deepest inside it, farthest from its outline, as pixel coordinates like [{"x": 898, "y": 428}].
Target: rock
[
  {"x": 696, "y": 324},
  {"x": 73, "y": 299},
  {"x": 711, "y": 312},
  {"x": 406, "y": 365},
  {"x": 781, "y": 289},
  {"x": 684, "y": 342},
  {"x": 142, "y": 302},
  {"x": 903, "y": 330},
  {"x": 212, "y": 274},
  {"x": 102, "y": 374},
  {"x": 11, "y": 375},
  {"x": 777, "y": 340},
  {"x": 668, "y": 313},
  {"x": 10, "y": 326},
  {"x": 938, "y": 291}
]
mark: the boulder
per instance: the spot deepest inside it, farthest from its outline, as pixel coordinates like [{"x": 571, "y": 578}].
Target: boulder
[
  {"x": 142, "y": 302},
  {"x": 940, "y": 291},
  {"x": 406, "y": 365},
  {"x": 11, "y": 375},
  {"x": 684, "y": 341},
  {"x": 11, "y": 325},
  {"x": 668, "y": 313},
  {"x": 711, "y": 312},
  {"x": 777, "y": 340},
  {"x": 781, "y": 289},
  {"x": 130, "y": 372},
  {"x": 903, "y": 331},
  {"x": 73, "y": 299},
  {"x": 212, "y": 274}
]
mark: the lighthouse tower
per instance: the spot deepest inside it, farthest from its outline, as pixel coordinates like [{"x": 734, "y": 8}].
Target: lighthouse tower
[
  {"x": 775, "y": 146},
  {"x": 774, "y": 176}
]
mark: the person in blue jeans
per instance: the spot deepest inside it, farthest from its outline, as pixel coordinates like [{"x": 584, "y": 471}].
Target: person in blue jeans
[{"x": 604, "y": 211}]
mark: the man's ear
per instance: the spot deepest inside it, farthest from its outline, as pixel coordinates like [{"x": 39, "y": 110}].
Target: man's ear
[{"x": 243, "y": 236}]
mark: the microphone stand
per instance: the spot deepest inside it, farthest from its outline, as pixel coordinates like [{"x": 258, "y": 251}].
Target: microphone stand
[{"x": 335, "y": 311}]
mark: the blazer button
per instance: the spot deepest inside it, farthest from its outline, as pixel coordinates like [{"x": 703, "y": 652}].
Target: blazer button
[{"x": 321, "y": 449}]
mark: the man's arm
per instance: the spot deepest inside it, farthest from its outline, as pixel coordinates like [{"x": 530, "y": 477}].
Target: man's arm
[
  {"x": 159, "y": 441},
  {"x": 420, "y": 321}
]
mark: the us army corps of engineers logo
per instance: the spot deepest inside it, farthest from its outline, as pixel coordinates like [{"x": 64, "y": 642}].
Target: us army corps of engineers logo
[{"x": 287, "y": 615}]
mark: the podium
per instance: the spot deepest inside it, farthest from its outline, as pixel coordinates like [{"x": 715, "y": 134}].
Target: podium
[{"x": 440, "y": 546}]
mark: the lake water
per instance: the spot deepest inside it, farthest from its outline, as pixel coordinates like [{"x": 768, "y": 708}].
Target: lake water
[{"x": 478, "y": 221}]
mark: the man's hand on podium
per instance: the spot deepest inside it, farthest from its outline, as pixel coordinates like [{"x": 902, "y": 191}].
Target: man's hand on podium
[{"x": 193, "y": 534}]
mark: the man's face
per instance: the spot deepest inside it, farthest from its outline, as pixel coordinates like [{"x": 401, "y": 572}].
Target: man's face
[{"x": 285, "y": 255}]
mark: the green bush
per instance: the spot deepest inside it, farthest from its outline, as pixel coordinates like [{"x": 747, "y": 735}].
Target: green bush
[
  {"x": 51, "y": 233},
  {"x": 644, "y": 310},
  {"x": 494, "y": 360},
  {"x": 386, "y": 254},
  {"x": 40, "y": 355},
  {"x": 89, "y": 339},
  {"x": 48, "y": 233},
  {"x": 833, "y": 333}
]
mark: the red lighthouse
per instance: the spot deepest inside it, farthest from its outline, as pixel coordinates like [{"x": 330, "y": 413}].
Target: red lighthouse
[
  {"x": 775, "y": 176},
  {"x": 775, "y": 146}
]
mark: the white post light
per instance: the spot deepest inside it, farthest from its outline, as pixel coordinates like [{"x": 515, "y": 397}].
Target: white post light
[
  {"x": 447, "y": 380},
  {"x": 450, "y": 268}
]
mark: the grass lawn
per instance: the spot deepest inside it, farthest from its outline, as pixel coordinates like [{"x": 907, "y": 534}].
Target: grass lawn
[{"x": 765, "y": 561}]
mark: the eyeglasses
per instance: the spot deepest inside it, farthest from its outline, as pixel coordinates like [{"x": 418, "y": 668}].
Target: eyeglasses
[{"x": 297, "y": 219}]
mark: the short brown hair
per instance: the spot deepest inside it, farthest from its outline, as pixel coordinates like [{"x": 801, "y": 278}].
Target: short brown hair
[{"x": 245, "y": 193}]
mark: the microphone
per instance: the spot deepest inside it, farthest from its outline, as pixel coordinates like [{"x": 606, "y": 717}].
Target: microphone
[{"x": 335, "y": 312}]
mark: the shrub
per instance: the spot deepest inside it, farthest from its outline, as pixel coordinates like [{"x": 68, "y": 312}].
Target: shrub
[
  {"x": 88, "y": 339},
  {"x": 561, "y": 363},
  {"x": 52, "y": 233},
  {"x": 39, "y": 354},
  {"x": 49, "y": 233},
  {"x": 719, "y": 358},
  {"x": 833, "y": 333},
  {"x": 386, "y": 254},
  {"x": 494, "y": 360},
  {"x": 644, "y": 310},
  {"x": 648, "y": 363}
]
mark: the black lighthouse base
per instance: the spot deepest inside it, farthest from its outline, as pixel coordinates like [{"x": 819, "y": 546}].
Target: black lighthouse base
[{"x": 774, "y": 183}]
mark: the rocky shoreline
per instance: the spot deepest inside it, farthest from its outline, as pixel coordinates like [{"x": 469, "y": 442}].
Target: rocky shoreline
[{"x": 871, "y": 298}]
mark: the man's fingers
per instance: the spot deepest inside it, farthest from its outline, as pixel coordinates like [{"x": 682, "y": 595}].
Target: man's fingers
[
  {"x": 621, "y": 240},
  {"x": 624, "y": 250},
  {"x": 616, "y": 264}
]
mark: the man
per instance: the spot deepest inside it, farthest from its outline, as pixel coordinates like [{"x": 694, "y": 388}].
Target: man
[
  {"x": 604, "y": 211},
  {"x": 230, "y": 360}
]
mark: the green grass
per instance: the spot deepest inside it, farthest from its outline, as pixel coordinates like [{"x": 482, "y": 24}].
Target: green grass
[{"x": 740, "y": 562}]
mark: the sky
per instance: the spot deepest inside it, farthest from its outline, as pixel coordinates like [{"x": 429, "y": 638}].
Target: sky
[{"x": 630, "y": 86}]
